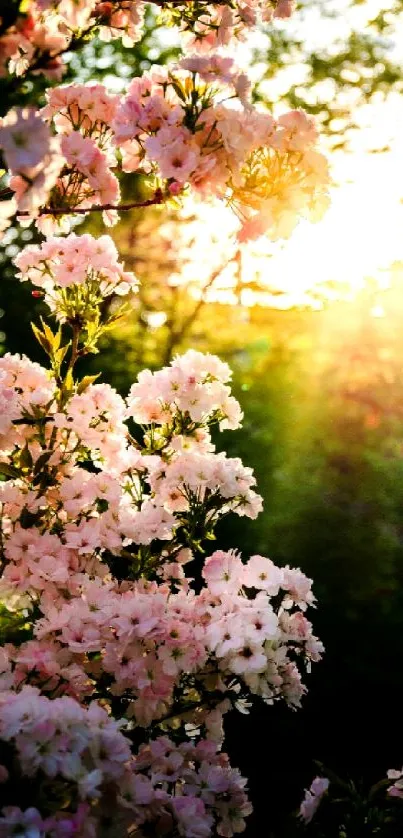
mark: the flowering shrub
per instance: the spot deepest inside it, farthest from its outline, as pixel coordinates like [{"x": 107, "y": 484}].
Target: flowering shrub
[
  {"x": 121, "y": 667},
  {"x": 98, "y": 524}
]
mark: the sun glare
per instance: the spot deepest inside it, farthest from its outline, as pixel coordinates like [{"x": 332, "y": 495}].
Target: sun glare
[
  {"x": 355, "y": 243},
  {"x": 361, "y": 234}
]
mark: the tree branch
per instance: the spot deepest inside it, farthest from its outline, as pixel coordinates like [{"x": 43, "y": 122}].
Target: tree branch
[
  {"x": 176, "y": 336},
  {"x": 158, "y": 198}
]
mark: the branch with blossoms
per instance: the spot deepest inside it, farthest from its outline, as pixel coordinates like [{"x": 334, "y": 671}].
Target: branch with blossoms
[
  {"x": 34, "y": 40},
  {"x": 180, "y": 129}
]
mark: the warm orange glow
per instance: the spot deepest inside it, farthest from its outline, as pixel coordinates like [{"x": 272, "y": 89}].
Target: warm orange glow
[{"x": 356, "y": 241}]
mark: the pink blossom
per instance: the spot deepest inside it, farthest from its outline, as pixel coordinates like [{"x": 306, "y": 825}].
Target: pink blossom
[
  {"x": 24, "y": 138},
  {"x": 313, "y": 798},
  {"x": 396, "y": 789},
  {"x": 261, "y": 573},
  {"x": 223, "y": 572}
]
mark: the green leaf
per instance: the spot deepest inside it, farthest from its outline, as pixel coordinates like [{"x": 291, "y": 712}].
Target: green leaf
[
  {"x": 26, "y": 458},
  {"x": 116, "y": 318},
  {"x": 41, "y": 338},
  {"x": 86, "y": 382},
  {"x": 68, "y": 383},
  {"x": 53, "y": 339},
  {"x": 59, "y": 354},
  {"x": 178, "y": 90},
  {"x": 8, "y": 470},
  {"x": 41, "y": 461}
]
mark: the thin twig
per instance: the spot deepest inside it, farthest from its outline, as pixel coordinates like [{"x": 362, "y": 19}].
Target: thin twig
[
  {"x": 158, "y": 198},
  {"x": 176, "y": 336}
]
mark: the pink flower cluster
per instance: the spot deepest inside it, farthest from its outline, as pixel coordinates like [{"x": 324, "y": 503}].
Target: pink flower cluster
[
  {"x": 190, "y": 134},
  {"x": 74, "y": 272},
  {"x": 217, "y": 25},
  {"x": 100, "y": 555},
  {"x": 33, "y": 35},
  {"x": 79, "y": 518},
  {"x": 26, "y": 389},
  {"x": 396, "y": 788},
  {"x": 149, "y": 639},
  {"x": 207, "y": 793},
  {"x": 36, "y": 41},
  {"x": 29, "y": 822},
  {"x": 82, "y": 115},
  {"x": 193, "y": 384},
  {"x": 188, "y": 790},
  {"x": 71, "y": 169},
  {"x": 139, "y": 496},
  {"x": 313, "y": 797},
  {"x": 60, "y": 737},
  {"x": 33, "y": 157},
  {"x": 145, "y": 640},
  {"x": 181, "y": 127}
]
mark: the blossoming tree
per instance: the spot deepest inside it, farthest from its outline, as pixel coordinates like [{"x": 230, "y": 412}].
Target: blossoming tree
[{"x": 120, "y": 666}]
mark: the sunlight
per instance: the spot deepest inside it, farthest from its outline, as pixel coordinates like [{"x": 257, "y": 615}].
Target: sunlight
[
  {"x": 359, "y": 237},
  {"x": 361, "y": 234}
]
